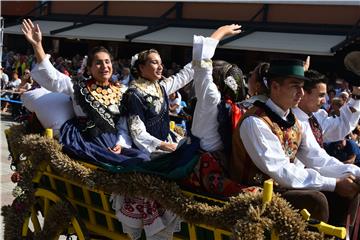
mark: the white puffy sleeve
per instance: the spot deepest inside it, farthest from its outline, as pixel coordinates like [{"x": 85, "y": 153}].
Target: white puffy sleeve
[
  {"x": 179, "y": 80},
  {"x": 50, "y": 78},
  {"x": 205, "y": 124}
]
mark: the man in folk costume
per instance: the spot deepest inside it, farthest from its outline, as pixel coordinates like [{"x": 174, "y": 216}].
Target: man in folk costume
[
  {"x": 268, "y": 138},
  {"x": 324, "y": 127}
]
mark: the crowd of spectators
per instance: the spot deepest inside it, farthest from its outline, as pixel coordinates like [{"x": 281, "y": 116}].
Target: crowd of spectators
[{"x": 15, "y": 73}]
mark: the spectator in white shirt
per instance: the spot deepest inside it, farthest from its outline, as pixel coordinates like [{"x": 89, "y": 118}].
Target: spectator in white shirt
[
  {"x": 4, "y": 78},
  {"x": 12, "y": 85},
  {"x": 175, "y": 103},
  {"x": 15, "y": 81}
]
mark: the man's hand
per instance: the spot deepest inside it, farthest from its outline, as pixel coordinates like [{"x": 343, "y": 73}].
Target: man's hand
[
  {"x": 227, "y": 30},
  {"x": 307, "y": 64},
  {"x": 32, "y": 33},
  {"x": 347, "y": 187},
  {"x": 169, "y": 147},
  {"x": 116, "y": 149}
]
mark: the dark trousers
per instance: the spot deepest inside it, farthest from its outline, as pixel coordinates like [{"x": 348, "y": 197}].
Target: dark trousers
[{"x": 325, "y": 206}]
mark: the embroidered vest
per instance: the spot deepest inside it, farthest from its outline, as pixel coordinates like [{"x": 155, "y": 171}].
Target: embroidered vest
[
  {"x": 154, "y": 107},
  {"x": 101, "y": 117},
  {"x": 241, "y": 167}
]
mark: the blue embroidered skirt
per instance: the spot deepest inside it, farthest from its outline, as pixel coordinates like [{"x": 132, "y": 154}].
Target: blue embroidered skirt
[{"x": 95, "y": 149}]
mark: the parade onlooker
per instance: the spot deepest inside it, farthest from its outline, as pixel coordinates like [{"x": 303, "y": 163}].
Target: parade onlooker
[
  {"x": 125, "y": 76},
  {"x": 14, "y": 82},
  {"x": 346, "y": 150},
  {"x": 336, "y": 104},
  {"x": 4, "y": 78},
  {"x": 26, "y": 82},
  {"x": 175, "y": 103},
  {"x": 355, "y": 135},
  {"x": 329, "y": 97},
  {"x": 20, "y": 64},
  {"x": 344, "y": 96},
  {"x": 11, "y": 87}
]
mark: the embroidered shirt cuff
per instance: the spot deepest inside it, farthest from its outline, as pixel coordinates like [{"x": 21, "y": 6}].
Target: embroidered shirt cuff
[
  {"x": 329, "y": 184},
  {"x": 203, "y": 48}
]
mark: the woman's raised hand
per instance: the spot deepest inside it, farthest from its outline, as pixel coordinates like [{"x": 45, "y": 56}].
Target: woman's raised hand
[
  {"x": 32, "y": 33},
  {"x": 226, "y": 30}
]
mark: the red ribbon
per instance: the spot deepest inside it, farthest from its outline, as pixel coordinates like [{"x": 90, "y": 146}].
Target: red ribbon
[{"x": 236, "y": 113}]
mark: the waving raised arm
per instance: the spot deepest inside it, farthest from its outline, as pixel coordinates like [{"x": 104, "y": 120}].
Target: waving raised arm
[
  {"x": 226, "y": 30},
  {"x": 34, "y": 36}
]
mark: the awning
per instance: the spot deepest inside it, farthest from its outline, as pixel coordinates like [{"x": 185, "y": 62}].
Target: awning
[
  {"x": 97, "y": 31},
  {"x": 45, "y": 26},
  {"x": 174, "y": 36},
  {"x": 297, "y": 43}
]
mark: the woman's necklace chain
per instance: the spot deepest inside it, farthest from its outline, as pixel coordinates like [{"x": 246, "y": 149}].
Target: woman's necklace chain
[{"x": 107, "y": 95}]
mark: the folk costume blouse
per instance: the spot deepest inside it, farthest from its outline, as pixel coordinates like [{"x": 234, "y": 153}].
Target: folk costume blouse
[{"x": 147, "y": 108}]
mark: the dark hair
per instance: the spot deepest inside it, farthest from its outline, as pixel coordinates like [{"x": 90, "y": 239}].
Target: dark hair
[
  {"x": 94, "y": 51},
  {"x": 314, "y": 78},
  {"x": 222, "y": 70},
  {"x": 261, "y": 72},
  {"x": 142, "y": 57},
  {"x": 331, "y": 91}
]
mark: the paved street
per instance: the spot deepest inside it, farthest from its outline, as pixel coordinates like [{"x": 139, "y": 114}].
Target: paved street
[{"x": 6, "y": 184}]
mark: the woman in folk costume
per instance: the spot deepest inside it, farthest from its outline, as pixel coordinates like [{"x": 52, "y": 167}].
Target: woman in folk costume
[
  {"x": 219, "y": 85},
  {"x": 146, "y": 105},
  {"x": 93, "y": 134}
]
